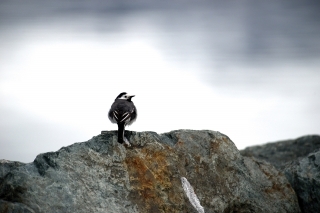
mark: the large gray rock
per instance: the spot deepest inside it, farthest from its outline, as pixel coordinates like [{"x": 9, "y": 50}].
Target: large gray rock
[
  {"x": 101, "y": 175},
  {"x": 299, "y": 160}
]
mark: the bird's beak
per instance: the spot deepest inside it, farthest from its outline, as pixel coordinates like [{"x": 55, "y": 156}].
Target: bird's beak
[{"x": 130, "y": 96}]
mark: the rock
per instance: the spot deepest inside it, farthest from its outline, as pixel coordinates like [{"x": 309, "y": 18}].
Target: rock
[
  {"x": 299, "y": 160},
  {"x": 283, "y": 152},
  {"x": 101, "y": 175},
  {"x": 304, "y": 177}
]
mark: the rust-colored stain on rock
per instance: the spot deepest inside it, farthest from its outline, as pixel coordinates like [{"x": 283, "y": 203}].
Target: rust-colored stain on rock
[{"x": 150, "y": 179}]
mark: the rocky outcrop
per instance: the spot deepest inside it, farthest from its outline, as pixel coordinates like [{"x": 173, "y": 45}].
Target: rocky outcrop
[
  {"x": 284, "y": 152},
  {"x": 304, "y": 176},
  {"x": 299, "y": 160},
  {"x": 179, "y": 171}
]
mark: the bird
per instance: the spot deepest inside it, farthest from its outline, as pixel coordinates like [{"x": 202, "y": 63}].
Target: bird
[{"x": 123, "y": 112}]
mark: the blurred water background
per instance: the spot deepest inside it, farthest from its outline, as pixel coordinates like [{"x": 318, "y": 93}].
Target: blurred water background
[{"x": 249, "y": 69}]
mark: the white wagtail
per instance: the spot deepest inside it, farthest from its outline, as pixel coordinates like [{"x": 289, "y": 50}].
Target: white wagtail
[{"x": 123, "y": 112}]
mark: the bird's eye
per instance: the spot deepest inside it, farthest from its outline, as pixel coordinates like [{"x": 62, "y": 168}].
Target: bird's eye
[{"x": 126, "y": 96}]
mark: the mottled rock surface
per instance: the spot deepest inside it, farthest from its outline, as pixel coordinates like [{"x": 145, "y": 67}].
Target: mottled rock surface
[
  {"x": 101, "y": 175},
  {"x": 299, "y": 160},
  {"x": 304, "y": 177},
  {"x": 283, "y": 152}
]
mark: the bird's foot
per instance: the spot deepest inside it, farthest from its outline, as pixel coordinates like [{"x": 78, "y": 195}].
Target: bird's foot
[{"x": 127, "y": 143}]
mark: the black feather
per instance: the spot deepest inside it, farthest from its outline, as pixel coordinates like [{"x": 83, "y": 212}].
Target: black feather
[
  {"x": 123, "y": 112},
  {"x": 121, "y": 94}
]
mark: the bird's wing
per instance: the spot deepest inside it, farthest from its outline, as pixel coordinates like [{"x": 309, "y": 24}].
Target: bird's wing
[
  {"x": 133, "y": 116},
  {"x": 119, "y": 117},
  {"x": 122, "y": 112},
  {"x": 111, "y": 116}
]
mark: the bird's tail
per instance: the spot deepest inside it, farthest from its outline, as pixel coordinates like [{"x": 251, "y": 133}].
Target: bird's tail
[{"x": 120, "y": 132}]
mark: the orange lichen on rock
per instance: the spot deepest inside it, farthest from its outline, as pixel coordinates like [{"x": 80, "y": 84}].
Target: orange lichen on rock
[{"x": 150, "y": 178}]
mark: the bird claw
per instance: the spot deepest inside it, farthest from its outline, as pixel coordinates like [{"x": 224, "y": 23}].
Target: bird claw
[{"x": 127, "y": 142}]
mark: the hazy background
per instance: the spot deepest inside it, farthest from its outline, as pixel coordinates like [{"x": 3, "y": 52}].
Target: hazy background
[{"x": 249, "y": 69}]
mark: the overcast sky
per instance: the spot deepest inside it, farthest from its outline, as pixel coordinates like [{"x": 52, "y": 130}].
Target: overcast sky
[{"x": 245, "y": 68}]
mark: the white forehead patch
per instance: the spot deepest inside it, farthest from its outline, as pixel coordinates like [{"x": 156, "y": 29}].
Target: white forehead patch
[{"x": 125, "y": 96}]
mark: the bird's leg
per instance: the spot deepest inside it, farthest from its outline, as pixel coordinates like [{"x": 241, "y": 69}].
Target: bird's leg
[
  {"x": 121, "y": 137},
  {"x": 120, "y": 132},
  {"x": 125, "y": 140}
]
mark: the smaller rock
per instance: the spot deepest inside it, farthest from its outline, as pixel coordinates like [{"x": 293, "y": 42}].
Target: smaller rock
[
  {"x": 283, "y": 152},
  {"x": 304, "y": 177},
  {"x": 299, "y": 160}
]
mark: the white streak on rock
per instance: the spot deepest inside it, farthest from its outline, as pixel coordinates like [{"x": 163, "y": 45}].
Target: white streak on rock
[{"x": 188, "y": 189}]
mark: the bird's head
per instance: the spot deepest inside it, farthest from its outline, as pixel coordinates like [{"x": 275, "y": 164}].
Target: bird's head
[{"x": 125, "y": 96}]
